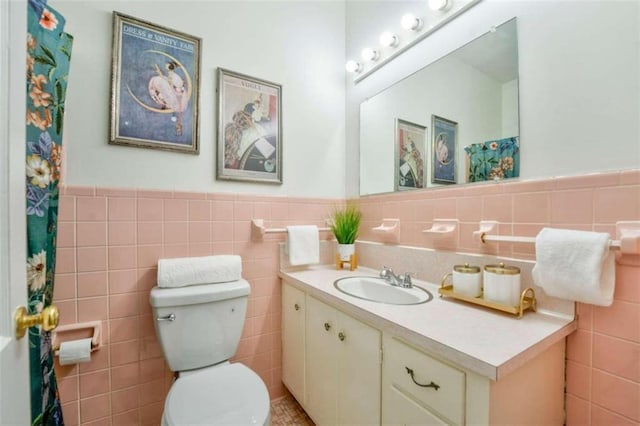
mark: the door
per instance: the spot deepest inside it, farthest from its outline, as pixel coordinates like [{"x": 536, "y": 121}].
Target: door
[{"x": 14, "y": 355}]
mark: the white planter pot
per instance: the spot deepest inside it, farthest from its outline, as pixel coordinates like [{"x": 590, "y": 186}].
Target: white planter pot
[{"x": 346, "y": 250}]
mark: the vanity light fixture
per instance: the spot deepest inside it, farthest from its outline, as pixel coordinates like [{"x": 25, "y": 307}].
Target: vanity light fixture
[
  {"x": 369, "y": 54},
  {"x": 353, "y": 66},
  {"x": 388, "y": 39},
  {"x": 411, "y": 22},
  {"x": 436, "y": 5}
]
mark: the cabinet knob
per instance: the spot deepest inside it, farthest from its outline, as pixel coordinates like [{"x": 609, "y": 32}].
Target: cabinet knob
[
  {"x": 342, "y": 336},
  {"x": 327, "y": 326},
  {"x": 297, "y": 307}
]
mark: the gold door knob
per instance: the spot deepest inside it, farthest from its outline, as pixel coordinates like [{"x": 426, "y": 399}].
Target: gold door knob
[{"x": 48, "y": 318}]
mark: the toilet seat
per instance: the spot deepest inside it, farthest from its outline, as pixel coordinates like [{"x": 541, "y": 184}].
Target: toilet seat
[{"x": 229, "y": 394}]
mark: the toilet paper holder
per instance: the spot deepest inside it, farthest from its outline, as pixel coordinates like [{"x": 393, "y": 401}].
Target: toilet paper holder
[{"x": 92, "y": 329}]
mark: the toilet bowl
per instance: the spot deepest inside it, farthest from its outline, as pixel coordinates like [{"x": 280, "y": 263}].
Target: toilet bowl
[
  {"x": 199, "y": 328},
  {"x": 229, "y": 394}
]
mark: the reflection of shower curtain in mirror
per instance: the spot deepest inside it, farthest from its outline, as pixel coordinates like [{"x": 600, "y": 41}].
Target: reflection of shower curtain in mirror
[
  {"x": 498, "y": 159},
  {"x": 48, "y": 56}
]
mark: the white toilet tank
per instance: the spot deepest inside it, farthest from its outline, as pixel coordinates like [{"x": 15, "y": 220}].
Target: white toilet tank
[{"x": 199, "y": 325}]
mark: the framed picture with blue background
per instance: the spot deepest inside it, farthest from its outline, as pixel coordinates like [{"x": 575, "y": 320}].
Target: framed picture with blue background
[
  {"x": 443, "y": 158},
  {"x": 155, "y": 78}
]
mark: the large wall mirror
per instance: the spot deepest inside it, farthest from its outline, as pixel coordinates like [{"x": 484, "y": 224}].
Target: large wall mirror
[{"x": 454, "y": 121}]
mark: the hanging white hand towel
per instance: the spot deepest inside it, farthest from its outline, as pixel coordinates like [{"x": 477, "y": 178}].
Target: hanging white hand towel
[
  {"x": 186, "y": 271},
  {"x": 575, "y": 265},
  {"x": 304, "y": 244}
]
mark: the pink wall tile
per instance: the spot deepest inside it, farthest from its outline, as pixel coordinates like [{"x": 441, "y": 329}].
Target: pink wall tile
[
  {"x": 67, "y": 208},
  {"x": 92, "y": 259},
  {"x": 125, "y": 400},
  {"x": 150, "y": 210},
  {"x": 578, "y": 380},
  {"x": 151, "y": 414},
  {"x": 176, "y": 210},
  {"x": 243, "y": 210},
  {"x": 122, "y": 209},
  {"x": 223, "y": 210},
  {"x": 147, "y": 279},
  {"x": 123, "y": 281},
  {"x": 123, "y": 305},
  {"x": 65, "y": 260},
  {"x": 532, "y": 208},
  {"x": 618, "y": 320},
  {"x": 617, "y": 356},
  {"x": 71, "y": 413},
  {"x": 123, "y": 353},
  {"x": 95, "y": 408},
  {"x": 579, "y": 347},
  {"x": 199, "y": 210},
  {"x": 66, "y": 235},
  {"x": 123, "y": 329},
  {"x": 577, "y": 411},
  {"x": 614, "y": 204},
  {"x": 469, "y": 209},
  {"x": 627, "y": 283},
  {"x": 69, "y": 390},
  {"x": 88, "y": 191},
  {"x": 152, "y": 392},
  {"x": 95, "y": 383},
  {"x": 152, "y": 369},
  {"x": 125, "y": 376},
  {"x": 123, "y": 257},
  {"x": 176, "y": 232},
  {"x": 91, "y": 234},
  {"x": 148, "y": 255},
  {"x": 603, "y": 417},
  {"x": 572, "y": 206},
  {"x": 92, "y": 309},
  {"x": 149, "y": 232},
  {"x": 199, "y": 249},
  {"x": 64, "y": 287},
  {"x": 128, "y": 418},
  {"x": 615, "y": 394},
  {"x": 445, "y": 208},
  {"x": 116, "y": 192},
  {"x": 588, "y": 181},
  {"x": 630, "y": 177},
  {"x": 99, "y": 359},
  {"x": 186, "y": 195},
  {"x": 222, "y": 231},
  {"x": 68, "y": 311},
  {"x": 176, "y": 250},
  {"x": 91, "y": 284},
  {"x": 121, "y": 233},
  {"x": 199, "y": 232},
  {"x": 91, "y": 209}
]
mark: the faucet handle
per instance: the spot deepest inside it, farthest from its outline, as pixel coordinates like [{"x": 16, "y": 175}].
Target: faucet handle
[{"x": 406, "y": 279}]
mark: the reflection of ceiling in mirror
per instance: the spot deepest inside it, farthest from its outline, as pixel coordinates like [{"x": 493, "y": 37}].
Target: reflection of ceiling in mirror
[{"x": 492, "y": 53}]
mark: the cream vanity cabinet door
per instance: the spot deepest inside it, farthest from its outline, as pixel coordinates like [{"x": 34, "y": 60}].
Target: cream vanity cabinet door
[
  {"x": 342, "y": 368},
  {"x": 418, "y": 389},
  {"x": 293, "y": 340}
]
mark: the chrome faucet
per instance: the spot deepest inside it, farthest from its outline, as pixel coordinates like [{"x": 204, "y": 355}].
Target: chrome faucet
[{"x": 403, "y": 280}]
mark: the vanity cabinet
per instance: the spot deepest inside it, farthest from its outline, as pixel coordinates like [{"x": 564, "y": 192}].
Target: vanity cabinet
[
  {"x": 346, "y": 372},
  {"x": 342, "y": 368},
  {"x": 293, "y": 341}
]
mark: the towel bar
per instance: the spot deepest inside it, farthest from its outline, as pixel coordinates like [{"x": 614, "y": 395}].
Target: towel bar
[
  {"x": 613, "y": 244},
  {"x": 258, "y": 229}
]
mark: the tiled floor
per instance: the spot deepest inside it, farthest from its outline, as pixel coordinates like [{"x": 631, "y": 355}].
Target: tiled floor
[{"x": 286, "y": 411}]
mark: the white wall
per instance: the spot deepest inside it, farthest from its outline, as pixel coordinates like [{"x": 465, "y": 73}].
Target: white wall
[
  {"x": 297, "y": 44},
  {"x": 510, "y": 109},
  {"x": 579, "y": 79}
]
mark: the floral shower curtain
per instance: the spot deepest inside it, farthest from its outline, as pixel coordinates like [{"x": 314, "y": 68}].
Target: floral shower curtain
[{"x": 48, "y": 56}]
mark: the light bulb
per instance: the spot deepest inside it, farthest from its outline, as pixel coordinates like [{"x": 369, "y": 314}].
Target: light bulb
[
  {"x": 411, "y": 22},
  {"x": 388, "y": 39},
  {"x": 369, "y": 54},
  {"x": 353, "y": 66},
  {"x": 438, "y": 4}
]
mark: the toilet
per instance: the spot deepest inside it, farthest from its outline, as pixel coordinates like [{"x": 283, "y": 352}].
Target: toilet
[{"x": 199, "y": 328}]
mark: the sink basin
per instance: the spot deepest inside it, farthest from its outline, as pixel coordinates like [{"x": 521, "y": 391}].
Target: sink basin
[{"x": 378, "y": 290}]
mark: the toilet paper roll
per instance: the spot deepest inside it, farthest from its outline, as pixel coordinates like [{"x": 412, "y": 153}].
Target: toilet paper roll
[{"x": 75, "y": 351}]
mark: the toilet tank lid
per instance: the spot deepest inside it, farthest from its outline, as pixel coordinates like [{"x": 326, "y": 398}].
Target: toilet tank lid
[{"x": 195, "y": 294}]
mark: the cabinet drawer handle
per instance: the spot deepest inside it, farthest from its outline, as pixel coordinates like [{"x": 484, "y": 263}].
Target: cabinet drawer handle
[
  {"x": 342, "y": 336},
  {"x": 327, "y": 326},
  {"x": 297, "y": 307},
  {"x": 430, "y": 385}
]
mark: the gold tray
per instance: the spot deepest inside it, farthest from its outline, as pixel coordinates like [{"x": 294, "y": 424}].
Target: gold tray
[{"x": 526, "y": 301}]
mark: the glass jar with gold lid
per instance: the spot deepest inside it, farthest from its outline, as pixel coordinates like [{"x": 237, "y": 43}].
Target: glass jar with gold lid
[{"x": 502, "y": 284}]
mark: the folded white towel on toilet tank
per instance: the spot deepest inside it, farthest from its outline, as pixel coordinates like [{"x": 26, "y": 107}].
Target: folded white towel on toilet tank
[
  {"x": 186, "y": 271},
  {"x": 575, "y": 265}
]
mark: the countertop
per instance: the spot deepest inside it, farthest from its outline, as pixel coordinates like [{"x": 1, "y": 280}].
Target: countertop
[{"x": 486, "y": 342}]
